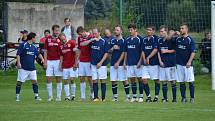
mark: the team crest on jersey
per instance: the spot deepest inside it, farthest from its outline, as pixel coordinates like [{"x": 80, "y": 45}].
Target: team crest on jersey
[{"x": 49, "y": 40}]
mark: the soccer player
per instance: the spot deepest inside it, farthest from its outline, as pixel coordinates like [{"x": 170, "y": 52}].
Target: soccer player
[
  {"x": 23, "y": 36},
  {"x": 84, "y": 64},
  {"x": 167, "y": 60},
  {"x": 117, "y": 71},
  {"x": 26, "y": 54},
  {"x": 185, "y": 53},
  {"x": 133, "y": 62},
  {"x": 69, "y": 60},
  {"x": 99, "y": 55},
  {"x": 150, "y": 58},
  {"x": 52, "y": 62}
]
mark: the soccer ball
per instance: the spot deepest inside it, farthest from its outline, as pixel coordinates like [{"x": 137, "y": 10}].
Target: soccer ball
[{"x": 204, "y": 70}]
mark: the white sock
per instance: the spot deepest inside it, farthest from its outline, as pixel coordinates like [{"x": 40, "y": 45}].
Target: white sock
[
  {"x": 59, "y": 90},
  {"x": 91, "y": 92},
  {"x": 17, "y": 95},
  {"x": 128, "y": 96},
  {"x": 36, "y": 95},
  {"x": 83, "y": 88},
  {"x": 66, "y": 89},
  {"x": 49, "y": 89},
  {"x": 73, "y": 88}
]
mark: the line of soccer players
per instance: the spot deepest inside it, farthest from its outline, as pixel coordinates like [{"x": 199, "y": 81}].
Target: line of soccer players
[{"x": 165, "y": 58}]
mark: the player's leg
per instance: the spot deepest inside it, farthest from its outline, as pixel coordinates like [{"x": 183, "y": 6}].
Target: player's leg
[
  {"x": 82, "y": 75},
  {"x": 21, "y": 76},
  {"x": 49, "y": 74},
  {"x": 122, "y": 75},
  {"x": 132, "y": 78},
  {"x": 146, "y": 88},
  {"x": 190, "y": 78},
  {"x": 139, "y": 75},
  {"x": 102, "y": 75},
  {"x": 66, "y": 84},
  {"x": 113, "y": 79},
  {"x": 154, "y": 71},
  {"x": 73, "y": 88},
  {"x": 33, "y": 77},
  {"x": 35, "y": 89},
  {"x": 126, "y": 88},
  {"x": 18, "y": 89},
  {"x": 95, "y": 82},
  {"x": 164, "y": 90},
  {"x": 174, "y": 89},
  {"x": 58, "y": 74},
  {"x": 90, "y": 81},
  {"x": 181, "y": 79}
]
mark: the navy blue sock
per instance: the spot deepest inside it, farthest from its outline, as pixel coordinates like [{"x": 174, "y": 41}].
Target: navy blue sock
[
  {"x": 35, "y": 88},
  {"x": 134, "y": 88},
  {"x": 174, "y": 90},
  {"x": 192, "y": 89},
  {"x": 95, "y": 90},
  {"x": 157, "y": 88},
  {"x": 103, "y": 88},
  {"x": 183, "y": 90},
  {"x": 126, "y": 87},
  {"x": 141, "y": 88},
  {"x": 114, "y": 88},
  {"x": 164, "y": 89},
  {"x": 146, "y": 89},
  {"x": 18, "y": 87}
]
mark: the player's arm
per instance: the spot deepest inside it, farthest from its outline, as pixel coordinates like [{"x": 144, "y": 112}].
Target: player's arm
[
  {"x": 140, "y": 61},
  {"x": 125, "y": 60},
  {"x": 45, "y": 54},
  {"x": 85, "y": 43},
  {"x": 167, "y": 51},
  {"x": 143, "y": 57},
  {"x": 102, "y": 61},
  {"x": 19, "y": 52},
  {"x": 61, "y": 62},
  {"x": 116, "y": 65},
  {"x": 77, "y": 55},
  {"x": 193, "y": 50},
  {"x": 160, "y": 60}
]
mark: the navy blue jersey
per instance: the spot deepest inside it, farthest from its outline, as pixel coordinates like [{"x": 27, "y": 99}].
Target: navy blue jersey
[
  {"x": 184, "y": 47},
  {"x": 98, "y": 49},
  {"x": 116, "y": 53},
  {"x": 27, "y": 53},
  {"x": 148, "y": 45},
  {"x": 169, "y": 59},
  {"x": 133, "y": 49}
]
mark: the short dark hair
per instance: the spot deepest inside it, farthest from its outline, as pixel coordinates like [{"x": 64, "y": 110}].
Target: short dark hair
[
  {"x": 31, "y": 35},
  {"x": 67, "y": 19},
  {"x": 118, "y": 25},
  {"x": 132, "y": 25},
  {"x": 47, "y": 30},
  {"x": 80, "y": 29},
  {"x": 164, "y": 27},
  {"x": 152, "y": 27},
  {"x": 184, "y": 24},
  {"x": 61, "y": 34},
  {"x": 55, "y": 26}
]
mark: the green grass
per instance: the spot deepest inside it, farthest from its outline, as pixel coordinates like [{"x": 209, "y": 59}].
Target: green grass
[{"x": 29, "y": 110}]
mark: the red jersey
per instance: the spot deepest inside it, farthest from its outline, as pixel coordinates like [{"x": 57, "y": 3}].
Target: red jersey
[
  {"x": 42, "y": 40},
  {"x": 68, "y": 54},
  {"x": 52, "y": 47},
  {"x": 85, "y": 51}
]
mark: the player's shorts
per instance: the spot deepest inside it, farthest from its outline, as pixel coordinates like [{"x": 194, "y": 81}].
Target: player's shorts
[
  {"x": 24, "y": 75},
  {"x": 133, "y": 71},
  {"x": 184, "y": 74},
  {"x": 53, "y": 68},
  {"x": 70, "y": 73},
  {"x": 150, "y": 72},
  {"x": 119, "y": 74},
  {"x": 167, "y": 74},
  {"x": 84, "y": 69},
  {"x": 100, "y": 73}
]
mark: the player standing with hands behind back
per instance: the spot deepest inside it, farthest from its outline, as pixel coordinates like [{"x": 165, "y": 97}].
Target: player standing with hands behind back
[{"x": 185, "y": 53}]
